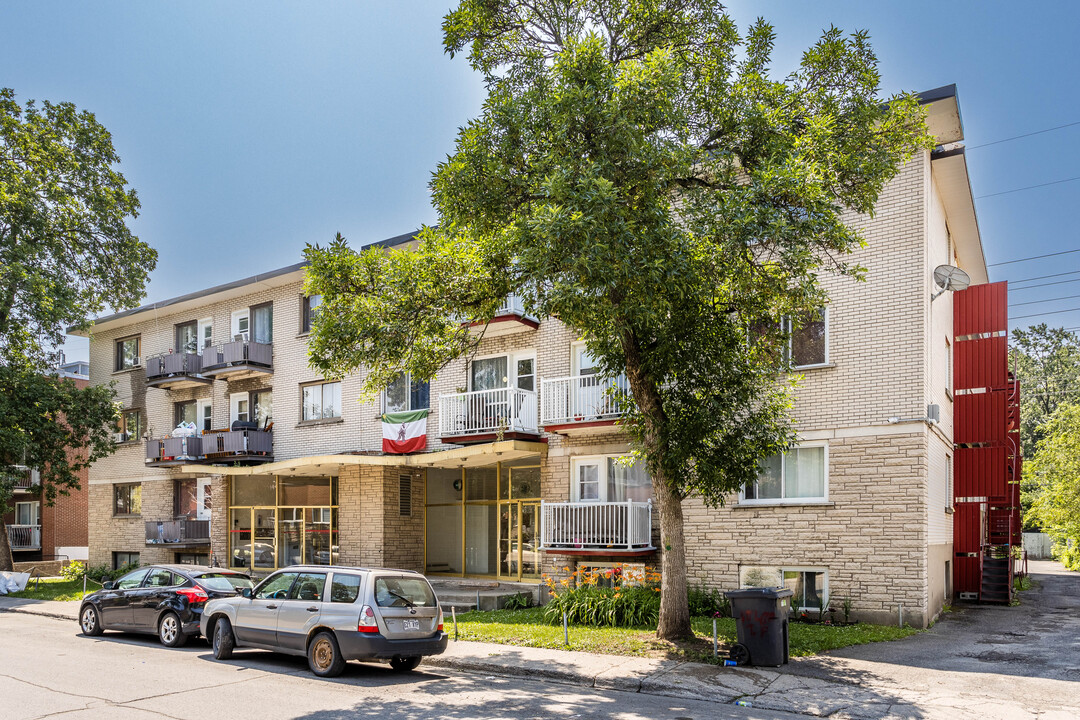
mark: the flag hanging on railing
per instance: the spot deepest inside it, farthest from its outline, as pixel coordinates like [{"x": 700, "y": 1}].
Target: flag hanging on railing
[{"x": 404, "y": 432}]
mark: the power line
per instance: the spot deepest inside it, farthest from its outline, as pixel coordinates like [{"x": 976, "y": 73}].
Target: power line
[
  {"x": 1052, "y": 312},
  {"x": 1034, "y": 257},
  {"x": 1034, "y": 302},
  {"x": 1039, "y": 285},
  {"x": 1043, "y": 277},
  {"x": 1029, "y": 187},
  {"x": 1017, "y": 137}
]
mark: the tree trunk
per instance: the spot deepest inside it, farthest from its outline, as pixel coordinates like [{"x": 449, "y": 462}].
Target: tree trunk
[
  {"x": 6, "y": 561},
  {"x": 674, "y": 608}
]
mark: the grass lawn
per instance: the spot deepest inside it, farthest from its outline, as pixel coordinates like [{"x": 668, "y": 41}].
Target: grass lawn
[
  {"x": 56, "y": 590},
  {"x": 527, "y": 628}
]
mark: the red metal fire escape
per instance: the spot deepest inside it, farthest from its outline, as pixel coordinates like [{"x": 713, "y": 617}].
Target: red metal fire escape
[{"x": 986, "y": 491}]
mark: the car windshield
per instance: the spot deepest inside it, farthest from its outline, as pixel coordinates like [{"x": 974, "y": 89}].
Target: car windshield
[
  {"x": 403, "y": 592},
  {"x": 224, "y": 582}
]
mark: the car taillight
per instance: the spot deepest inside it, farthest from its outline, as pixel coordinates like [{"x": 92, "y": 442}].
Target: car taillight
[
  {"x": 367, "y": 623},
  {"x": 440, "y": 618},
  {"x": 193, "y": 594}
]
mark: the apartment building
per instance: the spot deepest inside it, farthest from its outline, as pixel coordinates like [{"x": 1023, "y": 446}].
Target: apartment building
[{"x": 235, "y": 451}]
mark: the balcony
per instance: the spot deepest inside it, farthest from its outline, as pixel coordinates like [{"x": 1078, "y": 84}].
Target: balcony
[
  {"x": 488, "y": 415},
  {"x": 581, "y": 403},
  {"x": 238, "y": 359},
  {"x": 24, "y": 537},
  {"x": 28, "y": 481},
  {"x": 174, "y": 371},
  {"x": 212, "y": 447},
  {"x": 178, "y": 532},
  {"x": 509, "y": 318},
  {"x": 596, "y": 528}
]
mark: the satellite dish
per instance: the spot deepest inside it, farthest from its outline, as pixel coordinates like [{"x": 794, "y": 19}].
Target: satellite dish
[{"x": 949, "y": 277}]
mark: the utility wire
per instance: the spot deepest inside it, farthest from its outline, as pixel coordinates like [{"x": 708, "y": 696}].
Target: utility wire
[
  {"x": 1043, "y": 277},
  {"x": 1034, "y": 302},
  {"x": 1039, "y": 285},
  {"x": 1028, "y": 187},
  {"x": 1017, "y": 137},
  {"x": 1033, "y": 257},
  {"x": 1052, "y": 312}
]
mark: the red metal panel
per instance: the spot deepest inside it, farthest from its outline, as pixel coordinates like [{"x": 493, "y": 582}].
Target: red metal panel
[
  {"x": 981, "y": 309},
  {"x": 980, "y": 418},
  {"x": 981, "y": 472},
  {"x": 969, "y": 533},
  {"x": 981, "y": 363},
  {"x": 967, "y": 574}
]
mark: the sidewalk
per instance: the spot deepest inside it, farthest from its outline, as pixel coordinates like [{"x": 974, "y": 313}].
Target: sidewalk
[{"x": 821, "y": 686}]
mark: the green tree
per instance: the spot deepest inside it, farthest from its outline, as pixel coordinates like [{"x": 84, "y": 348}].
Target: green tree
[
  {"x": 1056, "y": 465},
  {"x": 637, "y": 173},
  {"x": 66, "y": 253}
]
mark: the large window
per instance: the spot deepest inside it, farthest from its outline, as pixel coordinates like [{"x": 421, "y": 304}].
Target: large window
[
  {"x": 131, "y": 425},
  {"x": 280, "y": 521},
  {"x": 312, "y": 303},
  {"x": 406, "y": 394},
  {"x": 322, "y": 401},
  {"x": 187, "y": 337},
  {"x": 798, "y": 475},
  {"x": 127, "y": 499},
  {"x": 127, "y": 353},
  {"x": 808, "y": 344},
  {"x": 608, "y": 478}
]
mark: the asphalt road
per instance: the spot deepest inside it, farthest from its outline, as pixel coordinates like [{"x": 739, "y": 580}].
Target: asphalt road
[{"x": 48, "y": 670}]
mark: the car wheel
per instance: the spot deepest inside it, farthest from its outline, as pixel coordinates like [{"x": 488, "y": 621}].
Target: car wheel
[
  {"x": 170, "y": 632},
  {"x": 324, "y": 656},
  {"x": 405, "y": 664},
  {"x": 223, "y": 642},
  {"x": 89, "y": 621}
]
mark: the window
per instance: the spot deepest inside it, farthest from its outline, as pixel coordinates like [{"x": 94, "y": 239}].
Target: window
[
  {"x": 239, "y": 407},
  {"x": 205, "y": 413},
  {"x": 405, "y": 394},
  {"x": 280, "y": 521},
  {"x": 322, "y": 401},
  {"x": 310, "y": 311},
  {"x": 948, "y": 369},
  {"x": 127, "y": 499},
  {"x": 608, "y": 479},
  {"x": 185, "y": 412},
  {"x": 808, "y": 344},
  {"x": 206, "y": 333},
  {"x": 262, "y": 323},
  {"x": 187, "y": 337},
  {"x": 159, "y": 577},
  {"x": 262, "y": 407},
  {"x": 405, "y": 495},
  {"x": 131, "y": 425},
  {"x": 797, "y": 475},
  {"x": 240, "y": 325},
  {"x": 809, "y": 585},
  {"x": 403, "y": 592},
  {"x": 344, "y": 588},
  {"x": 488, "y": 373},
  {"x": 28, "y": 513},
  {"x": 127, "y": 353},
  {"x": 120, "y": 559},
  {"x": 193, "y": 559},
  {"x": 276, "y": 586},
  {"x": 308, "y": 586}
]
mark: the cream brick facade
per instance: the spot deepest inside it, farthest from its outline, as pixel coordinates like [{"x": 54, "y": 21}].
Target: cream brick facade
[{"x": 883, "y": 537}]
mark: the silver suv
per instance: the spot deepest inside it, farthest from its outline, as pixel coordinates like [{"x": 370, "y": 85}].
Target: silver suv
[{"x": 331, "y": 614}]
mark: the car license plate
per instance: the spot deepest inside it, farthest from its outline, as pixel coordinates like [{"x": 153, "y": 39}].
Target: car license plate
[{"x": 410, "y": 624}]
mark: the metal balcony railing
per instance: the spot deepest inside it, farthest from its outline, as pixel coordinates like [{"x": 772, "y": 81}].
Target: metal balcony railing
[
  {"x": 223, "y": 444},
  {"x": 581, "y": 398},
  {"x": 615, "y": 526},
  {"x": 177, "y": 531},
  {"x": 174, "y": 449},
  {"x": 488, "y": 411},
  {"x": 24, "y": 537},
  {"x": 247, "y": 353},
  {"x": 173, "y": 364}
]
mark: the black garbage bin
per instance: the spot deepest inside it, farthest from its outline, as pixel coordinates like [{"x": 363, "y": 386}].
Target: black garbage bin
[{"x": 761, "y": 624}]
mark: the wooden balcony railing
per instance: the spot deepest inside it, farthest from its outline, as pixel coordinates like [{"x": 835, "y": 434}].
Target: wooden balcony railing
[{"x": 610, "y": 526}]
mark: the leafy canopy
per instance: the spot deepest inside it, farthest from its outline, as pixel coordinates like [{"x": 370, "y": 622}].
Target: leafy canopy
[
  {"x": 638, "y": 173},
  {"x": 1057, "y": 467}
]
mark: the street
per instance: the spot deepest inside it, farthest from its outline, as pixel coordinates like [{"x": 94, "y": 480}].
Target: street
[{"x": 48, "y": 670}]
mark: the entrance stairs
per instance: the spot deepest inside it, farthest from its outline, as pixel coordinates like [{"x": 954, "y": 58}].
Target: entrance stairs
[{"x": 464, "y": 594}]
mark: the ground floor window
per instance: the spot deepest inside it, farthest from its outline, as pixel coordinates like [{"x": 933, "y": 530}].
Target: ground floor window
[
  {"x": 192, "y": 559},
  {"x": 810, "y": 588},
  {"x": 280, "y": 521},
  {"x": 609, "y": 478},
  {"x": 120, "y": 559},
  {"x": 798, "y": 475}
]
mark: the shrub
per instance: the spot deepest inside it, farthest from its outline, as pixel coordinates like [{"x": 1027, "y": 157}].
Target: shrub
[
  {"x": 605, "y": 597},
  {"x": 518, "y": 602},
  {"x": 74, "y": 570},
  {"x": 707, "y": 602},
  {"x": 103, "y": 573}
]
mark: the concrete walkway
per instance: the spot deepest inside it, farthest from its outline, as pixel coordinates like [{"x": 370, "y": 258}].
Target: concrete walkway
[{"x": 930, "y": 675}]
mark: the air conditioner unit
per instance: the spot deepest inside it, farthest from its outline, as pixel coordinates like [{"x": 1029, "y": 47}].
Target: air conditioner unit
[
  {"x": 240, "y": 337},
  {"x": 120, "y": 437},
  {"x": 136, "y": 362}
]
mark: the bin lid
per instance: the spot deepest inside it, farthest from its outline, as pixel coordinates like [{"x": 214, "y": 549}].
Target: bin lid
[{"x": 770, "y": 593}]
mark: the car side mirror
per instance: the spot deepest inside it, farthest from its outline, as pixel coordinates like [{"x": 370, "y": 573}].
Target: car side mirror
[
  {"x": 108, "y": 585},
  {"x": 245, "y": 592}
]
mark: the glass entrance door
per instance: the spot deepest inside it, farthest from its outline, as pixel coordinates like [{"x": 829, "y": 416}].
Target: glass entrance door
[{"x": 518, "y": 530}]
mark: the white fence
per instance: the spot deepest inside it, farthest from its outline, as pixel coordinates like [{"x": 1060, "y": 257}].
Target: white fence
[
  {"x": 581, "y": 398},
  {"x": 596, "y": 525},
  {"x": 487, "y": 411}
]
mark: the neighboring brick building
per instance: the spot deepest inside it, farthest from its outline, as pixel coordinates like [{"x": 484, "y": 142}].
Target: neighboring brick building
[{"x": 519, "y": 477}]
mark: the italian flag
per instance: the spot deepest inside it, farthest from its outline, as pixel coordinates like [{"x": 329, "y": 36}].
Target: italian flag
[{"x": 404, "y": 432}]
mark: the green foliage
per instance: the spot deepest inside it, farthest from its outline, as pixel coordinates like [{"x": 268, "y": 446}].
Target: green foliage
[
  {"x": 1057, "y": 466},
  {"x": 847, "y": 606},
  {"x": 74, "y": 570},
  {"x": 62, "y": 590},
  {"x": 518, "y": 602},
  {"x": 626, "y": 606},
  {"x": 707, "y": 602},
  {"x": 639, "y": 174}
]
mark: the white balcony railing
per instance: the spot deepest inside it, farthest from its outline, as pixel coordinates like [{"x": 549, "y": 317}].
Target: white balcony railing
[
  {"x": 487, "y": 411},
  {"x": 581, "y": 398},
  {"x": 24, "y": 537},
  {"x": 596, "y": 526},
  {"x": 512, "y": 305}
]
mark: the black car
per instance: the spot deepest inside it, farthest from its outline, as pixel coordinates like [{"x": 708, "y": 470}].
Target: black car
[{"x": 165, "y": 600}]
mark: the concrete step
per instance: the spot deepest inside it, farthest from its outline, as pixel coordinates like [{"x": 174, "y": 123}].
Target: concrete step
[{"x": 467, "y": 595}]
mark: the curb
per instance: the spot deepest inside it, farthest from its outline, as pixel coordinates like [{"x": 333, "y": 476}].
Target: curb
[
  {"x": 479, "y": 666},
  {"x": 40, "y": 613}
]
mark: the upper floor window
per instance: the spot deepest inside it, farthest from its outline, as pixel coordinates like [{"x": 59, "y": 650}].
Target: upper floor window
[
  {"x": 187, "y": 337},
  {"x": 262, "y": 323},
  {"x": 131, "y": 424},
  {"x": 262, "y": 407},
  {"x": 322, "y": 401},
  {"x": 404, "y": 393},
  {"x": 798, "y": 475},
  {"x": 607, "y": 479},
  {"x": 808, "y": 344},
  {"x": 312, "y": 304},
  {"x": 185, "y": 412},
  {"x": 127, "y": 353},
  {"x": 492, "y": 373},
  {"x": 127, "y": 499}
]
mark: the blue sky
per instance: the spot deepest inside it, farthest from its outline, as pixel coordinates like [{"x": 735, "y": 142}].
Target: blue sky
[{"x": 249, "y": 129}]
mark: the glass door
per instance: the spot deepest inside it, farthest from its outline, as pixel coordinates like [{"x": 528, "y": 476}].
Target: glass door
[
  {"x": 263, "y": 551},
  {"x": 518, "y": 530}
]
